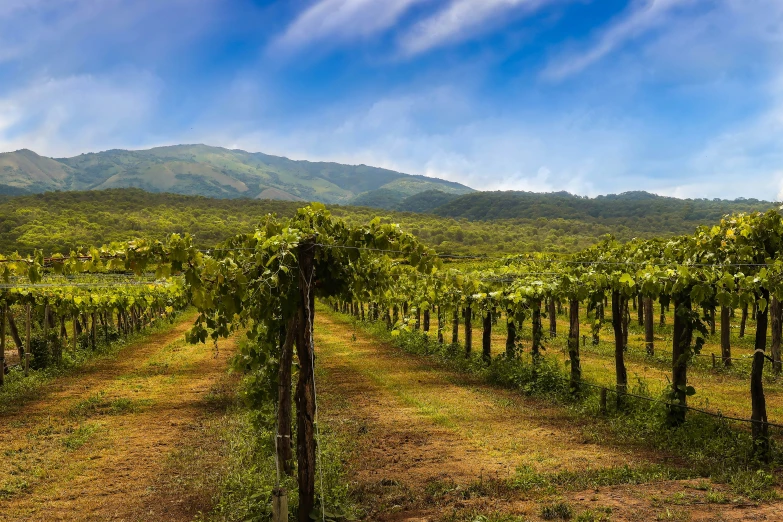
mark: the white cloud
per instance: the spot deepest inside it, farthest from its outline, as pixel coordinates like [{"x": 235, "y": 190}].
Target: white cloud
[
  {"x": 502, "y": 152},
  {"x": 64, "y": 116},
  {"x": 458, "y": 20},
  {"x": 645, "y": 16},
  {"x": 340, "y": 20},
  {"x": 57, "y": 34}
]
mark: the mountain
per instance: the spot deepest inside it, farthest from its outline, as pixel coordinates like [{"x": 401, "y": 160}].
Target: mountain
[
  {"x": 640, "y": 211},
  {"x": 212, "y": 172}
]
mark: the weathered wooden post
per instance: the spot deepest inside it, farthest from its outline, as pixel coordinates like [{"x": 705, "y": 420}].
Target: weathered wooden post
[
  {"x": 280, "y": 505},
  {"x": 573, "y": 345},
  {"x": 486, "y": 342},
  {"x": 760, "y": 427},
  {"x": 649, "y": 333},
  {"x": 621, "y": 375},
  {"x": 305, "y": 388},
  {"x": 725, "y": 335}
]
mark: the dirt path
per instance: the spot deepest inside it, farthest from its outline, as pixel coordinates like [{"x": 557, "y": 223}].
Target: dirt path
[
  {"x": 430, "y": 443},
  {"x": 103, "y": 444}
]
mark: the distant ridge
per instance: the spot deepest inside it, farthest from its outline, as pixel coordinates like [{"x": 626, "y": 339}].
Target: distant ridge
[
  {"x": 638, "y": 210},
  {"x": 210, "y": 171}
]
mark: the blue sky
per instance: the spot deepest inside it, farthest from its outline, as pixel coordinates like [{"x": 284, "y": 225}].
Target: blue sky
[{"x": 678, "y": 97}]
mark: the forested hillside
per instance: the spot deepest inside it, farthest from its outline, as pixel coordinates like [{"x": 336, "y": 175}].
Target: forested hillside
[
  {"x": 58, "y": 221},
  {"x": 211, "y": 171},
  {"x": 641, "y": 212}
]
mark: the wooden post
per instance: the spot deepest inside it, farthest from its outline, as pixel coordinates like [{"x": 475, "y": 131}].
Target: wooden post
[
  {"x": 725, "y": 335},
  {"x": 280, "y": 505},
  {"x": 552, "y": 318},
  {"x": 573, "y": 346},
  {"x": 602, "y": 404},
  {"x": 283, "y": 444},
  {"x": 468, "y": 329},
  {"x": 649, "y": 332},
  {"x": 621, "y": 375},
  {"x": 744, "y": 320},
  {"x": 776, "y": 327},
  {"x": 760, "y": 428},
  {"x": 15, "y": 335},
  {"x": 538, "y": 330},
  {"x": 640, "y": 308},
  {"x": 511, "y": 336},
  {"x": 305, "y": 388},
  {"x": 486, "y": 344},
  {"x": 426, "y": 325},
  {"x": 713, "y": 361},
  {"x": 681, "y": 342}
]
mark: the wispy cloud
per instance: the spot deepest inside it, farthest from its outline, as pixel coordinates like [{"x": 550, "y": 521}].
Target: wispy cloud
[
  {"x": 63, "y": 116},
  {"x": 459, "y": 20},
  {"x": 646, "y": 15},
  {"x": 341, "y": 20}
]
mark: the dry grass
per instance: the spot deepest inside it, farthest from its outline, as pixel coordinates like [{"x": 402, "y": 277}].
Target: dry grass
[
  {"x": 103, "y": 444},
  {"x": 435, "y": 445},
  {"x": 716, "y": 390}
]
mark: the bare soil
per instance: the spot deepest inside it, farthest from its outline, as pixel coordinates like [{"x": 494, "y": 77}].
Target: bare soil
[{"x": 107, "y": 443}]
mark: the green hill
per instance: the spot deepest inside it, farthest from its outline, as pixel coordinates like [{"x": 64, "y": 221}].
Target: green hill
[
  {"x": 644, "y": 213},
  {"x": 209, "y": 171}
]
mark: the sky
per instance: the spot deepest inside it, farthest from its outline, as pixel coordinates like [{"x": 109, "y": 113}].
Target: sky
[{"x": 678, "y": 97}]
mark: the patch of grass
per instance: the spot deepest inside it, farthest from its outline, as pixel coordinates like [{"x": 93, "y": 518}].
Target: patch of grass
[
  {"x": 594, "y": 515},
  {"x": 712, "y": 447},
  {"x": 754, "y": 484},
  {"x": 78, "y": 437},
  {"x": 527, "y": 479},
  {"x": 679, "y": 499},
  {"x": 677, "y": 515},
  {"x": 472, "y": 515},
  {"x": 557, "y": 511},
  {"x": 98, "y": 404},
  {"x": 18, "y": 389},
  {"x": 13, "y": 486},
  {"x": 250, "y": 476},
  {"x": 703, "y": 485},
  {"x": 716, "y": 497}
]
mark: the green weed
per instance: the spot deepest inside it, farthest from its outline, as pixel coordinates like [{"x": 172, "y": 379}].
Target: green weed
[
  {"x": 557, "y": 511},
  {"x": 78, "y": 437}
]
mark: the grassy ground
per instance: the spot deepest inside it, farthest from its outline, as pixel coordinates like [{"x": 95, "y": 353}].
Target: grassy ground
[
  {"x": 433, "y": 443},
  {"x": 717, "y": 389},
  {"x": 134, "y": 437}
]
